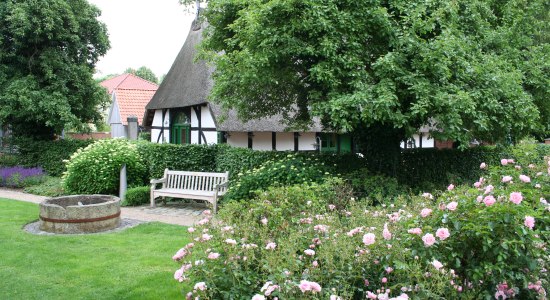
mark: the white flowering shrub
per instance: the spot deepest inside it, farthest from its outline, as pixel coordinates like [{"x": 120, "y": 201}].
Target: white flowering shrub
[
  {"x": 96, "y": 168},
  {"x": 305, "y": 242}
]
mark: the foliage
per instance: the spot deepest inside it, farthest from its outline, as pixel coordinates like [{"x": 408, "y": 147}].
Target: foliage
[
  {"x": 144, "y": 73},
  {"x": 137, "y": 196},
  {"x": 96, "y": 168},
  {"x": 378, "y": 188},
  {"x": 17, "y": 177},
  {"x": 49, "y": 155},
  {"x": 111, "y": 273},
  {"x": 188, "y": 157},
  {"x": 282, "y": 172},
  {"x": 49, "y": 187},
  {"x": 48, "y": 53},
  {"x": 472, "y": 69},
  {"x": 8, "y": 160},
  {"x": 311, "y": 242}
]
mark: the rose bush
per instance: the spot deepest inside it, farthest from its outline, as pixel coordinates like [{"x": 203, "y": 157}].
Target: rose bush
[{"x": 313, "y": 241}]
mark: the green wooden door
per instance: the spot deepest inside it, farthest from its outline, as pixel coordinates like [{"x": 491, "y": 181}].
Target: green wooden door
[{"x": 181, "y": 134}]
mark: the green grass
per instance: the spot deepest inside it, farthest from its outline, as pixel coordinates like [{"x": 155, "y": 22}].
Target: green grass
[{"x": 133, "y": 264}]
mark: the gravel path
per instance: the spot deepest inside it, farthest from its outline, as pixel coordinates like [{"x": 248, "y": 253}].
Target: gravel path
[{"x": 178, "y": 214}]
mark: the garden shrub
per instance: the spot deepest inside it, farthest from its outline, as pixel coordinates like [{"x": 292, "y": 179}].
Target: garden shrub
[
  {"x": 8, "y": 160},
  {"x": 375, "y": 187},
  {"x": 293, "y": 243},
  {"x": 50, "y": 187},
  {"x": 17, "y": 177},
  {"x": 137, "y": 196},
  {"x": 287, "y": 171},
  {"x": 49, "y": 155},
  {"x": 96, "y": 168},
  {"x": 189, "y": 157}
]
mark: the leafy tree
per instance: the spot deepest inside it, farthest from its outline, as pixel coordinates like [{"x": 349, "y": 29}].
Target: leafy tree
[
  {"x": 48, "y": 50},
  {"x": 144, "y": 73},
  {"x": 470, "y": 68}
]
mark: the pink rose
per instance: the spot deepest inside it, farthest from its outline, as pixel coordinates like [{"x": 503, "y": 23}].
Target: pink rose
[
  {"x": 384, "y": 279},
  {"x": 386, "y": 233},
  {"x": 477, "y": 184},
  {"x": 258, "y": 297},
  {"x": 489, "y": 189},
  {"x": 506, "y": 179},
  {"x": 427, "y": 196},
  {"x": 369, "y": 239},
  {"x": 270, "y": 246},
  {"x": 425, "y": 212},
  {"x": 442, "y": 233},
  {"x": 452, "y": 206},
  {"x": 180, "y": 254},
  {"x": 331, "y": 206},
  {"x": 428, "y": 239},
  {"x": 504, "y": 161},
  {"x": 201, "y": 286},
  {"x": 437, "y": 264},
  {"x": 489, "y": 200},
  {"x": 191, "y": 229},
  {"x": 264, "y": 221},
  {"x": 451, "y": 187},
  {"x": 306, "y": 286},
  {"x": 309, "y": 252},
  {"x": 524, "y": 178},
  {"x": 483, "y": 166},
  {"x": 415, "y": 231},
  {"x": 479, "y": 198},
  {"x": 529, "y": 222},
  {"x": 231, "y": 242},
  {"x": 178, "y": 275},
  {"x": 516, "y": 197},
  {"x": 213, "y": 255},
  {"x": 371, "y": 295}
]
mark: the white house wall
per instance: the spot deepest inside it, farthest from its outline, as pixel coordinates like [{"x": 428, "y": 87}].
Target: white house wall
[
  {"x": 238, "y": 139},
  {"x": 211, "y": 137},
  {"x": 262, "y": 141},
  {"x": 207, "y": 120},
  {"x": 157, "y": 122},
  {"x": 285, "y": 141},
  {"x": 427, "y": 141},
  {"x": 306, "y": 141}
]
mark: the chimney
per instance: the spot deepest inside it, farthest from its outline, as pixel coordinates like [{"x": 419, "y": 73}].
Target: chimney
[{"x": 132, "y": 128}]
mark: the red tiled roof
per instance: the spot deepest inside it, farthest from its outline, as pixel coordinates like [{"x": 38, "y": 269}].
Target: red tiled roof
[
  {"x": 128, "y": 81},
  {"x": 132, "y": 102}
]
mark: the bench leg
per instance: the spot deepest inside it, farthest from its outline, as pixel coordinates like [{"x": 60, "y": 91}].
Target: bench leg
[
  {"x": 215, "y": 204},
  {"x": 152, "y": 198}
]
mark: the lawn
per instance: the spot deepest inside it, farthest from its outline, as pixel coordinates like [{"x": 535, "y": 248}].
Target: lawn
[{"x": 132, "y": 264}]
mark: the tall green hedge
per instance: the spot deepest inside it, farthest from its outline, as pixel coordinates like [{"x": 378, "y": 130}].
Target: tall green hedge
[{"x": 47, "y": 154}]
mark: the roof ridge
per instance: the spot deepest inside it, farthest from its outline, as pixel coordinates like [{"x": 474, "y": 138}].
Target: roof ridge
[{"x": 133, "y": 75}]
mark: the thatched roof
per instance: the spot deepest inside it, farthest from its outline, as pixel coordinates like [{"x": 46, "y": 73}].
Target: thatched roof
[{"x": 189, "y": 83}]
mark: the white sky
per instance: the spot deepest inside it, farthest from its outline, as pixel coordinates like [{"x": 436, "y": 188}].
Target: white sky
[{"x": 142, "y": 33}]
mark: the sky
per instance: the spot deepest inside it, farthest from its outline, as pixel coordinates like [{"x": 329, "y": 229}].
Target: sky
[{"x": 142, "y": 33}]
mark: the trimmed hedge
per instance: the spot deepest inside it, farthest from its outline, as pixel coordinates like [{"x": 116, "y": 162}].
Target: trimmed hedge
[
  {"x": 199, "y": 158},
  {"x": 137, "y": 196},
  {"x": 47, "y": 154}
]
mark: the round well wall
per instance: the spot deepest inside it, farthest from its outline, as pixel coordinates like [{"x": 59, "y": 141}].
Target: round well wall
[{"x": 80, "y": 214}]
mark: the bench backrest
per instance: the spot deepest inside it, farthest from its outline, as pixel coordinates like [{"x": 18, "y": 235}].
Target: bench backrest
[{"x": 196, "y": 181}]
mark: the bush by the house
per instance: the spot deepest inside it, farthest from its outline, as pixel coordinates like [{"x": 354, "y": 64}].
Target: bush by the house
[
  {"x": 471, "y": 242},
  {"x": 377, "y": 188},
  {"x": 137, "y": 196},
  {"x": 189, "y": 157},
  {"x": 282, "y": 172},
  {"x": 8, "y": 160},
  {"x": 96, "y": 168},
  {"x": 17, "y": 177},
  {"x": 49, "y": 187}
]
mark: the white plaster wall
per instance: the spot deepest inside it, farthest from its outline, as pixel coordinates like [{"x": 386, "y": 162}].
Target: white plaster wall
[
  {"x": 285, "y": 141},
  {"x": 194, "y": 136},
  {"x": 211, "y": 137},
  {"x": 157, "y": 119},
  {"x": 261, "y": 141},
  {"x": 238, "y": 139},
  {"x": 155, "y": 134},
  {"x": 114, "y": 112},
  {"x": 306, "y": 141},
  {"x": 194, "y": 119},
  {"x": 428, "y": 141},
  {"x": 207, "y": 120}
]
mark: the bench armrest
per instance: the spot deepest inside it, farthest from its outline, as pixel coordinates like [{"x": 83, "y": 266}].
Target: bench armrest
[
  {"x": 217, "y": 186},
  {"x": 155, "y": 181}
]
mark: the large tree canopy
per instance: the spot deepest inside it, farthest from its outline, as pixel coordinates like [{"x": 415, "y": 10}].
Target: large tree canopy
[
  {"x": 471, "y": 68},
  {"x": 48, "y": 50}
]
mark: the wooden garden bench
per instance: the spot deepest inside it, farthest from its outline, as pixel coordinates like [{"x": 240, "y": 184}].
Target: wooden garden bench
[{"x": 191, "y": 185}]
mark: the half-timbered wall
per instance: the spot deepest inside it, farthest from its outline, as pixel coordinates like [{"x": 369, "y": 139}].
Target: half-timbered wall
[{"x": 158, "y": 134}]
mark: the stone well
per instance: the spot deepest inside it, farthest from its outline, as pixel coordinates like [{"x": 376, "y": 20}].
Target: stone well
[{"x": 80, "y": 214}]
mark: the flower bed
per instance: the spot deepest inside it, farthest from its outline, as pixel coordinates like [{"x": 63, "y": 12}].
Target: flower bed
[
  {"x": 18, "y": 176},
  {"x": 315, "y": 242}
]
